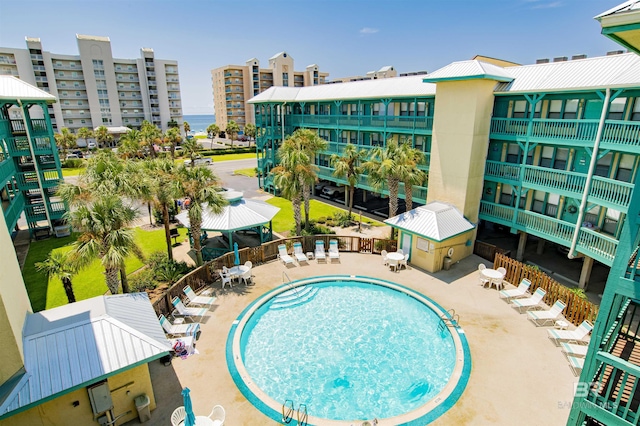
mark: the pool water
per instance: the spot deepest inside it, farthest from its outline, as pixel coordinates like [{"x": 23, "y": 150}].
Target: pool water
[{"x": 349, "y": 350}]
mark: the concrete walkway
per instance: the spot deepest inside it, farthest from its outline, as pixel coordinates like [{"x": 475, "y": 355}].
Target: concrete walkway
[{"x": 518, "y": 375}]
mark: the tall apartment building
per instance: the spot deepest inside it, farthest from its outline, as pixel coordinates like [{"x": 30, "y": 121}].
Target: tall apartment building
[
  {"x": 384, "y": 72},
  {"x": 94, "y": 88},
  {"x": 234, "y": 84}
]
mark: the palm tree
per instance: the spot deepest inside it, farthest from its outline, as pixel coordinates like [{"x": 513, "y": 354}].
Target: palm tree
[
  {"x": 191, "y": 148},
  {"x": 130, "y": 144},
  {"x": 349, "y": 165},
  {"x": 213, "y": 130},
  {"x": 102, "y": 136},
  {"x": 65, "y": 140},
  {"x": 85, "y": 133},
  {"x": 150, "y": 135},
  {"x": 200, "y": 185},
  {"x": 411, "y": 174},
  {"x": 232, "y": 129},
  {"x": 187, "y": 129},
  {"x": 57, "y": 265},
  {"x": 161, "y": 181},
  {"x": 172, "y": 138},
  {"x": 250, "y": 131},
  {"x": 104, "y": 234}
]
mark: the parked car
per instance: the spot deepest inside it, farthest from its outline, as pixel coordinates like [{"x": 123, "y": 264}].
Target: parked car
[
  {"x": 243, "y": 138},
  {"x": 78, "y": 153},
  {"x": 333, "y": 191},
  {"x": 72, "y": 157},
  {"x": 199, "y": 161},
  {"x": 321, "y": 184},
  {"x": 92, "y": 145}
]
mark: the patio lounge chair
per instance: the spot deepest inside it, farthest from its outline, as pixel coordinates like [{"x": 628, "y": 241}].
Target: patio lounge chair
[
  {"x": 190, "y": 313},
  {"x": 319, "y": 253},
  {"x": 574, "y": 350},
  {"x": 179, "y": 330},
  {"x": 299, "y": 254},
  {"x": 530, "y": 302},
  {"x": 194, "y": 299},
  {"x": 284, "y": 256},
  {"x": 521, "y": 291},
  {"x": 576, "y": 364},
  {"x": 334, "y": 253},
  {"x": 541, "y": 318},
  {"x": 571, "y": 336},
  {"x": 217, "y": 415}
]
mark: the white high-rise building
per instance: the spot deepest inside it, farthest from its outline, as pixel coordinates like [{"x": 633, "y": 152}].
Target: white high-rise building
[{"x": 95, "y": 89}]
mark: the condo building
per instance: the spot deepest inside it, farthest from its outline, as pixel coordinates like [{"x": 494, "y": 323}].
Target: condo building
[
  {"x": 94, "y": 88},
  {"x": 234, "y": 84}
]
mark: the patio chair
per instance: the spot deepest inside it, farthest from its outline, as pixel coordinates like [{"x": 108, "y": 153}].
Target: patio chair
[
  {"x": 299, "y": 254},
  {"x": 521, "y": 291},
  {"x": 393, "y": 264},
  {"x": 571, "y": 336},
  {"x": 403, "y": 262},
  {"x": 574, "y": 350},
  {"x": 385, "y": 261},
  {"x": 284, "y": 256},
  {"x": 576, "y": 364},
  {"x": 334, "y": 253},
  {"x": 319, "y": 253},
  {"x": 217, "y": 415},
  {"x": 179, "y": 330},
  {"x": 541, "y": 318},
  {"x": 190, "y": 313},
  {"x": 530, "y": 302},
  {"x": 399, "y": 251},
  {"x": 483, "y": 280},
  {"x": 194, "y": 299},
  {"x": 178, "y": 416},
  {"x": 226, "y": 277}
]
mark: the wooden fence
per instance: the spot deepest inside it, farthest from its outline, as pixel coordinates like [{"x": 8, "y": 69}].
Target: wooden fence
[
  {"x": 208, "y": 272},
  {"x": 488, "y": 251},
  {"x": 577, "y": 310}
]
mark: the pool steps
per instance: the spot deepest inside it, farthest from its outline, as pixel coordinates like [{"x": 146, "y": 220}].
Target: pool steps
[{"x": 294, "y": 297}]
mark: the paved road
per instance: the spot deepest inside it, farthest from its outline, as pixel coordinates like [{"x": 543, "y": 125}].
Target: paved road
[{"x": 224, "y": 170}]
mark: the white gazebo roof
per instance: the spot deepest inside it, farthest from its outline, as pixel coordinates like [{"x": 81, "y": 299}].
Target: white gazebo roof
[
  {"x": 240, "y": 213},
  {"x": 436, "y": 221},
  {"x": 13, "y": 88}
]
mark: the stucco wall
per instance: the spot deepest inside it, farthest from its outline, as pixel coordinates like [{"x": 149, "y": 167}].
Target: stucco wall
[{"x": 432, "y": 260}]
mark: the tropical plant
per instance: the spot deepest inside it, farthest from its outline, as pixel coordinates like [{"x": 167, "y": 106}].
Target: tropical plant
[
  {"x": 187, "y": 129},
  {"x": 200, "y": 185},
  {"x": 166, "y": 270},
  {"x": 85, "y": 133},
  {"x": 250, "y": 131},
  {"x": 65, "y": 140},
  {"x": 411, "y": 158},
  {"x": 172, "y": 138},
  {"x": 57, "y": 265},
  {"x": 129, "y": 145},
  {"x": 213, "y": 130},
  {"x": 232, "y": 129},
  {"x": 172, "y": 124},
  {"x": 191, "y": 147},
  {"x": 350, "y": 166},
  {"x": 102, "y": 136},
  {"x": 150, "y": 137}
]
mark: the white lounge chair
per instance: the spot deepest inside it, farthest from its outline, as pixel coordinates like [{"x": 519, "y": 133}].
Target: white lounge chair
[
  {"x": 530, "y": 302},
  {"x": 183, "y": 311},
  {"x": 284, "y": 256},
  {"x": 576, "y": 364},
  {"x": 299, "y": 254},
  {"x": 194, "y": 299},
  {"x": 217, "y": 415},
  {"x": 541, "y": 318},
  {"x": 334, "y": 253},
  {"x": 571, "y": 336},
  {"x": 319, "y": 253},
  {"x": 521, "y": 291},
  {"x": 574, "y": 350},
  {"x": 178, "y": 330}
]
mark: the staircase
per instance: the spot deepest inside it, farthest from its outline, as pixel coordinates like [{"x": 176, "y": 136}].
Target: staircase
[{"x": 295, "y": 297}]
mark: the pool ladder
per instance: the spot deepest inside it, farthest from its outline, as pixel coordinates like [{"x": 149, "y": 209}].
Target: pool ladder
[
  {"x": 287, "y": 413},
  {"x": 288, "y": 282},
  {"x": 450, "y": 319}
]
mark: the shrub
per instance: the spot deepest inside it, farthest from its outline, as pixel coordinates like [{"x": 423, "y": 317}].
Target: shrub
[
  {"x": 578, "y": 292},
  {"x": 143, "y": 280},
  {"x": 73, "y": 163},
  {"x": 314, "y": 229},
  {"x": 157, "y": 214},
  {"x": 342, "y": 219},
  {"x": 321, "y": 219},
  {"x": 166, "y": 270}
]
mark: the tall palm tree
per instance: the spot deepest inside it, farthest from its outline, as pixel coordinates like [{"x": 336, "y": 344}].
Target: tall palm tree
[
  {"x": 187, "y": 129},
  {"x": 58, "y": 265},
  {"x": 105, "y": 234},
  {"x": 161, "y": 180},
  {"x": 191, "y": 148},
  {"x": 130, "y": 144},
  {"x": 102, "y": 136},
  {"x": 350, "y": 166},
  {"x": 84, "y": 133},
  {"x": 213, "y": 130},
  {"x": 172, "y": 138},
  {"x": 150, "y": 136},
  {"x": 65, "y": 140},
  {"x": 411, "y": 158},
  {"x": 232, "y": 129},
  {"x": 250, "y": 131},
  {"x": 291, "y": 175},
  {"x": 200, "y": 185}
]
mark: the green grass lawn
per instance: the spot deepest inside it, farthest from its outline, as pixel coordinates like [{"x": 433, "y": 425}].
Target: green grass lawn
[
  {"x": 87, "y": 283},
  {"x": 73, "y": 171},
  {"x": 284, "y": 221},
  {"x": 250, "y": 172}
]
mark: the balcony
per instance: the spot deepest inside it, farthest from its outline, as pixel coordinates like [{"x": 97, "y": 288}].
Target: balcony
[
  {"x": 13, "y": 212},
  {"x": 7, "y": 169},
  {"x": 7, "y": 61},
  {"x": 74, "y": 87},
  {"x": 393, "y": 123},
  {"x": 502, "y": 172}
]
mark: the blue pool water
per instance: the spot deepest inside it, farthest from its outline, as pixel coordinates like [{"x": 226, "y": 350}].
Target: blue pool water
[{"x": 348, "y": 350}]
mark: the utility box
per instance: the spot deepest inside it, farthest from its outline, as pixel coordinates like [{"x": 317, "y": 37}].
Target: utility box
[
  {"x": 142, "y": 405},
  {"x": 446, "y": 264}
]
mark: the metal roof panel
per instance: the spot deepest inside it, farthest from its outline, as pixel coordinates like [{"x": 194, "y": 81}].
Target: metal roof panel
[
  {"x": 14, "y": 88},
  {"x": 437, "y": 221}
]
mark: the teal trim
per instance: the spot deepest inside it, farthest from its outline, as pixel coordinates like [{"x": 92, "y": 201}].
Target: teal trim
[
  {"x": 470, "y": 77},
  {"x": 620, "y": 28},
  {"x": 622, "y": 42},
  {"x": 276, "y": 415},
  {"x": 82, "y": 385},
  {"x": 410, "y": 243}
]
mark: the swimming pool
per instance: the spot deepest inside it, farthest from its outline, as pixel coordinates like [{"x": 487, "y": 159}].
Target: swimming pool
[{"x": 350, "y": 349}]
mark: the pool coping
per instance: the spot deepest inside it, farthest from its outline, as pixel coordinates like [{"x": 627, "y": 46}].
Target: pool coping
[{"x": 424, "y": 414}]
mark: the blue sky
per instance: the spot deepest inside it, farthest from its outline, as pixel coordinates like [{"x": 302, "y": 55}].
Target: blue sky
[{"x": 344, "y": 37}]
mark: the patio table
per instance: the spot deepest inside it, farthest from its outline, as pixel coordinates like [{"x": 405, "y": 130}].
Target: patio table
[
  {"x": 237, "y": 271},
  {"x": 493, "y": 275},
  {"x": 202, "y": 421}
]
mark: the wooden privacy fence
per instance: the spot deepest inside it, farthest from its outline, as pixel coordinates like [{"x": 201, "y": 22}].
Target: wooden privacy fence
[
  {"x": 488, "y": 251},
  {"x": 577, "y": 310},
  {"x": 208, "y": 272}
]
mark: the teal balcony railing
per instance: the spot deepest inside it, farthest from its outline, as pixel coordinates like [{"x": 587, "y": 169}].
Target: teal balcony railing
[
  {"x": 27, "y": 180},
  {"x": 549, "y": 228},
  {"x": 18, "y": 146},
  {"x": 496, "y": 213},
  {"x": 502, "y": 171},
  {"x": 57, "y": 210},
  {"x": 599, "y": 246},
  {"x": 509, "y": 126},
  {"x": 551, "y": 180},
  {"x": 611, "y": 192},
  {"x": 574, "y": 130},
  {"x": 35, "y": 212},
  {"x": 14, "y": 210},
  {"x": 621, "y": 133},
  {"x": 398, "y": 123},
  {"x": 7, "y": 169}
]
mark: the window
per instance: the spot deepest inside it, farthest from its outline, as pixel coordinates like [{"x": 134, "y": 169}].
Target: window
[
  {"x": 81, "y": 111},
  {"x": 77, "y": 93},
  {"x": 519, "y": 109},
  {"x": 120, "y": 86},
  {"x": 422, "y": 109},
  {"x": 83, "y": 121},
  {"x": 611, "y": 220},
  {"x": 616, "y": 109},
  {"x": 420, "y": 143},
  {"x": 376, "y": 139},
  {"x": 506, "y": 195},
  {"x": 625, "y": 168},
  {"x": 538, "y": 108},
  {"x": 98, "y": 73},
  {"x": 80, "y": 102},
  {"x": 67, "y": 111},
  {"x": 555, "y": 109},
  {"x": 344, "y": 135},
  {"x": 67, "y": 103},
  {"x": 571, "y": 109},
  {"x": 72, "y": 64},
  {"x": 69, "y": 121},
  {"x": 131, "y": 77},
  {"x": 76, "y": 84},
  {"x": 132, "y": 86},
  {"x": 63, "y": 84},
  {"x": 65, "y": 93},
  {"x": 61, "y": 74},
  {"x": 538, "y": 201},
  {"x": 560, "y": 161},
  {"x": 126, "y": 120},
  {"x": 74, "y": 74},
  {"x": 552, "y": 205},
  {"x": 404, "y": 108},
  {"x": 603, "y": 165},
  {"x": 58, "y": 64},
  {"x": 547, "y": 156},
  {"x": 513, "y": 153},
  {"x": 635, "y": 113},
  {"x": 122, "y": 95}
]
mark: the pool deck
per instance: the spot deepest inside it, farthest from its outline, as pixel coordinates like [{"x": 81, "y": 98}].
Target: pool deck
[{"x": 518, "y": 375}]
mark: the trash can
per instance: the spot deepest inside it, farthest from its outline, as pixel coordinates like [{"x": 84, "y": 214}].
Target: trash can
[
  {"x": 446, "y": 265},
  {"x": 142, "y": 405}
]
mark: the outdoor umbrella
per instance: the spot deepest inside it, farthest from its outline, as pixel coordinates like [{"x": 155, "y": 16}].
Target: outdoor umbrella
[
  {"x": 235, "y": 251},
  {"x": 190, "y": 419}
]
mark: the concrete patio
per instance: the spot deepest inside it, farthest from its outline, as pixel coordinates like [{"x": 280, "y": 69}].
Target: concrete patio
[{"x": 518, "y": 375}]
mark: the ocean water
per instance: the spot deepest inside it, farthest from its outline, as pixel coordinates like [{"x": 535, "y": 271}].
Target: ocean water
[{"x": 199, "y": 123}]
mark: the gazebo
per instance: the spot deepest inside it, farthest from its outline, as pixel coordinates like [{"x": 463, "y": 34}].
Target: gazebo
[{"x": 239, "y": 215}]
